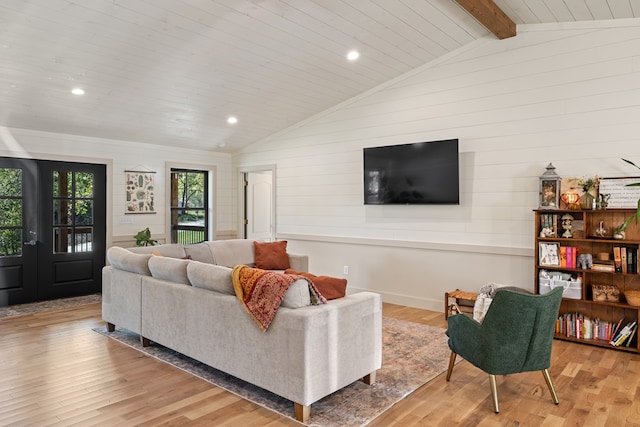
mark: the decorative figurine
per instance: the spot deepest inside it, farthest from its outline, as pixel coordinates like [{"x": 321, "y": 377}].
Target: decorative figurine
[{"x": 567, "y": 225}]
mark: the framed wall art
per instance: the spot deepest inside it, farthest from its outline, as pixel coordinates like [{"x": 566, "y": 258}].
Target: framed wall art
[
  {"x": 621, "y": 194},
  {"x": 140, "y": 187}
]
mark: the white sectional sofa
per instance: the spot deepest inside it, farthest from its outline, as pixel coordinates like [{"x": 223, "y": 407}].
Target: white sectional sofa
[{"x": 188, "y": 305}]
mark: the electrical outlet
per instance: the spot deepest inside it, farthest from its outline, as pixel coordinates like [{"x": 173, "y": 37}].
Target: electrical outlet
[{"x": 345, "y": 270}]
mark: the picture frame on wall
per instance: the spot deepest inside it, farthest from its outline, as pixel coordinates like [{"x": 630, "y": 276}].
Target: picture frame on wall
[
  {"x": 140, "y": 188},
  {"x": 549, "y": 254}
]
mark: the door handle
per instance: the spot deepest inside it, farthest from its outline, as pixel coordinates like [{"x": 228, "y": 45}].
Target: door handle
[{"x": 31, "y": 242}]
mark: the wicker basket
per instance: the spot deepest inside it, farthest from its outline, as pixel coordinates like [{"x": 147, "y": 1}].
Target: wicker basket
[{"x": 633, "y": 297}]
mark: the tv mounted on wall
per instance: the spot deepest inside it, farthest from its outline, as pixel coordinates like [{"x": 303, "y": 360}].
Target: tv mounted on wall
[{"x": 418, "y": 173}]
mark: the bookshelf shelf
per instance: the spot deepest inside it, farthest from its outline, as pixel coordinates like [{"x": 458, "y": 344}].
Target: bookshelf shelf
[{"x": 591, "y": 232}]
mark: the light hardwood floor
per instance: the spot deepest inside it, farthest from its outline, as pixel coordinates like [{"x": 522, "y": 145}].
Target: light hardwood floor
[{"x": 55, "y": 371}]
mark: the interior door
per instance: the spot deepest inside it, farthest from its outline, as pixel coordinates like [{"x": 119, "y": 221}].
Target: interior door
[
  {"x": 18, "y": 230},
  {"x": 72, "y": 223},
  {"x": 259, "y": 224}
]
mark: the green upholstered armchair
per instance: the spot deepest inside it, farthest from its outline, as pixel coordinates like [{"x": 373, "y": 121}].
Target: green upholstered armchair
[{"x": 515, "y": 336}]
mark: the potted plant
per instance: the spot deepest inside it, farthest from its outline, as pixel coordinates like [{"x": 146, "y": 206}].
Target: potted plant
[
  {"x": 588, "y": 186},
  {"x": 143, "y": 238}
]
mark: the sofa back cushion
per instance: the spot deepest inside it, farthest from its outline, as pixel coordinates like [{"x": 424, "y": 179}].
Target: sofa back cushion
[
  {"x": 171, "y": 269},
  {"x": 172, "y": 250},
  {"x": 210, "y": 276},
  {"x": 232, "y": 252},
  {"x": 199, "y": 252},
  {"x": 123, "y": 259}
]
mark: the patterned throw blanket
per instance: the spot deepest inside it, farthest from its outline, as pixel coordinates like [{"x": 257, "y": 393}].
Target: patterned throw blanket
[{"x": 262, "y": 291}]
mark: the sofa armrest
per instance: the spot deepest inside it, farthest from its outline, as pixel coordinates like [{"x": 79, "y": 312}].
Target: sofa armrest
[{"x": 299, "y": 262}]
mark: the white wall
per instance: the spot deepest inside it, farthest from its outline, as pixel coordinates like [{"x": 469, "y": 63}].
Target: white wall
[
  {"x": 122, "y": 155},
  {"x": 567, "y": 94}
]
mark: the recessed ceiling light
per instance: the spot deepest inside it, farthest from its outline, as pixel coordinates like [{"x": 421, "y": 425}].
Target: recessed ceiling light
[
  {"x": 232, "y": 120},
  {"x": 353, "y": 55},
  {"x": 77, "y": 91}
]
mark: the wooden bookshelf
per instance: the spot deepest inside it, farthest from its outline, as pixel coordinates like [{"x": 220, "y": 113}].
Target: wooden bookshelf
[{"x": 587, "y": 237}]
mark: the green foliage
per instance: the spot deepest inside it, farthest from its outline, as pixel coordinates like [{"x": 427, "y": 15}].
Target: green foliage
[
  {"x": 636, "y": 215},
  {"x": 143, "y": 238}
]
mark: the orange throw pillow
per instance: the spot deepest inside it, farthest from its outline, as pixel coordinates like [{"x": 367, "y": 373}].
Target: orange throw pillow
[
  {"x": 271, "y": 255},
  {"x": 329, "y": 287}
]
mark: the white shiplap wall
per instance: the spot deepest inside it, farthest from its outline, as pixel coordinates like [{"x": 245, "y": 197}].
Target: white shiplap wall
[
  {"x": 567, "y": 94},
  {"x": 122, "y": 155}
]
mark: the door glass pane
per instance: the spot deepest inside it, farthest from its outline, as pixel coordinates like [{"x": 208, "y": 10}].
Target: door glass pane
[
  {"x": 10, "y": 182},
  {"x": 62, "y": 183},
  {"x": 10, "y": 242},
  {"x": 11, "y": 210},
  {"x": 62, "y": 212},
  {"x": 84, "y": 212},
  {"x": 62, "y": 239},
  {"x": 82, "y": 239},
  {"x": 84, "y": 185}
]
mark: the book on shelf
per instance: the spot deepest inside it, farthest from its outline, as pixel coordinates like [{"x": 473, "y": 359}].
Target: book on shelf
[
  {"x": 623, "y": 334},
  {"x": 635, "y": 328},
  {"x": 623, "y": 259},
  {"x": 615, "y": 330},
  {"x": 617, "y": 259}
]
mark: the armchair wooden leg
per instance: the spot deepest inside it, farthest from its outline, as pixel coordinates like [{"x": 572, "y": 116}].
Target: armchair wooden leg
[
  {"x": 552, "y": 389},
  {"x": 452, "y": 361},
  {"x": 494, "y": 392}
]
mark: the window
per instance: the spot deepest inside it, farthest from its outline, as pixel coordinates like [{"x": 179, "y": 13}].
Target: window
[{"x": 189, "y": 206}]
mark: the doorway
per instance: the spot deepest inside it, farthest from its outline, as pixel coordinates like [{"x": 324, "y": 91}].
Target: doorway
[
  {"x": 52, "y": 230},
  {"x": 259, "y": 209}
]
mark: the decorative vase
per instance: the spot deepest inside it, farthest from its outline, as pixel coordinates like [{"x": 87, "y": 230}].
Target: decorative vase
[
  {"x": 619, "y": 235},
  {"x": 587, "y": 201}
]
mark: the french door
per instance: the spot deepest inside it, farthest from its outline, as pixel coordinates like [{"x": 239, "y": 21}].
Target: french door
[{"x": 52, "y": 229}]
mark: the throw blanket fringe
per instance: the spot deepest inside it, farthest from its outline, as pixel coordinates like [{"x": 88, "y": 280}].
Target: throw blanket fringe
[{"x": 261, "y": 292}]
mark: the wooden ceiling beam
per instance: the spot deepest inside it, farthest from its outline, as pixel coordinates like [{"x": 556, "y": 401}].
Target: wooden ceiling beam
[{"x": 491, "y": 16}]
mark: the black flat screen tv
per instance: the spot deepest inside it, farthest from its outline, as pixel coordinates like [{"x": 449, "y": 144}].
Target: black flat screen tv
[{"x": 407, "y": 174}]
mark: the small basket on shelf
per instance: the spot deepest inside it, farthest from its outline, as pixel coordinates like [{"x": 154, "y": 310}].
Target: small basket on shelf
[{"x": 633, "y": 297}]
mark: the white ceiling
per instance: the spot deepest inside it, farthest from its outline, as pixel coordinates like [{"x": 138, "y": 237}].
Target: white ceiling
[{"x": 171, "y": 71}]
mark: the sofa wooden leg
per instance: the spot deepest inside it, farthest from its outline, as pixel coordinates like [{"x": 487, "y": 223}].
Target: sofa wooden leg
[
  {"x": 146, "y": 342},
  {"x": 111, "y": 327},
  {"x": 302, "y": 412},
  {"x": 369, "y": 379}
]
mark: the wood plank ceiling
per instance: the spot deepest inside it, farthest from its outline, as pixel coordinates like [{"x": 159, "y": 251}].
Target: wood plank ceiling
[{"x": 172, "y": 71}]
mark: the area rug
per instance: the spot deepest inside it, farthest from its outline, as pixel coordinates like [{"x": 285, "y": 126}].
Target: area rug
[
  {"x": 412, "y": 355},
  {"x": 57, "y": 304}
]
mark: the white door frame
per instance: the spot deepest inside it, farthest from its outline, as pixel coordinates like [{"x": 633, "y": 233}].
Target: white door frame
[{"x": 241, "y": 197}]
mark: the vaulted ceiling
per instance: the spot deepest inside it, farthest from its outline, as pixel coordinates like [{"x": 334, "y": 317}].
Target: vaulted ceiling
[{"x": 172, "y": 71}]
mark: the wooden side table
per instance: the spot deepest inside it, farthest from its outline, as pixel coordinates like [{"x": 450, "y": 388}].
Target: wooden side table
[{"x": 464, "y": 300}]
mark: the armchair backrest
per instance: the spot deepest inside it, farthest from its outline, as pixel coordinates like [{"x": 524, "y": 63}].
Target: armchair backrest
[{"x": 517, "y": 332}]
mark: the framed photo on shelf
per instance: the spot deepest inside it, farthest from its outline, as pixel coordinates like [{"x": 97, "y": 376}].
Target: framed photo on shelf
[
  {"x": 621, "y": 193},
  {"x": 549, "y": 254}
]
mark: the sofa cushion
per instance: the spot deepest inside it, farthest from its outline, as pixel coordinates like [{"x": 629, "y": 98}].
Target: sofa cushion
[
  {"x": 172, "y": 250},
  {"x": 210, "y": 276},
  {"x": 271, "y": 255},
  {"x": 329, "y": 287},
  {"x": 123, "y": 259},
  {"x": 298, "y": 295},
  {"x": 232, "y": 252},
  {"x": 199, "y": 252},
  {"x": 171, "y": 269}
]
